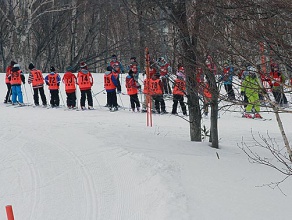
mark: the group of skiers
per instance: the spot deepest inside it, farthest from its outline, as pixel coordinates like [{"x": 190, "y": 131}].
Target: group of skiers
[
  {"x": 15, "y": 78},
  {"x": 156, "y": 85},
  {"x": 254, "y": 84}
]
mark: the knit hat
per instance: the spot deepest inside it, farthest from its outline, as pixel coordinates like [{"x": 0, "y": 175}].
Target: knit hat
[
  {"x": 181, "y": 68},
  {"x": 109, "y": 68},
  {"x": 69, "y": 68},
  {"x": 83, "y": 65},
  {"x": 16, "y": 65},
  {"x": 52, "y": 69},
  {"x": 12, "y": 63},
  {"x": 114, "y": 56},
  {"x": 30, "y": 66}
]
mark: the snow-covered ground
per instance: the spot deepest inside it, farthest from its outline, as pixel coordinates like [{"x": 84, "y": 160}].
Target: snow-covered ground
[{"x": 98, "y": 165}]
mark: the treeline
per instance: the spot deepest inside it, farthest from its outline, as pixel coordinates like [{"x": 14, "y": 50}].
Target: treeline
[{"x": 62, "y": 33}]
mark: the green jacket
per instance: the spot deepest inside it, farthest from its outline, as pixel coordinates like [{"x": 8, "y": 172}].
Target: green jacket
[{"x": 250, "y": 85}]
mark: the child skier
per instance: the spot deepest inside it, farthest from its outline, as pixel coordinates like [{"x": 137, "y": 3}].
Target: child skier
[
  {"x": 16, "y": 78},
  {"x": 251, "y": 88},
  {"x": 110, "y": 85},
  {"x": 70, "y": 80},
  {"x": 7, "y": 81},
  {"x": 53, "y": 81},
  {"x": 37, "y": 80},
  {"x": 277, "y": 81},
  {"x": 85, "y": 82},
  {"x": 156, "y": 91},
  {"x": 132, "y": 90},
  {"x": 227, "y": 78},
  {"x": 179, "y": 91}
]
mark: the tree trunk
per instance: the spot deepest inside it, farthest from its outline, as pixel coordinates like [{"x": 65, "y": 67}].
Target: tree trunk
[{"x": 214, "y": 137}]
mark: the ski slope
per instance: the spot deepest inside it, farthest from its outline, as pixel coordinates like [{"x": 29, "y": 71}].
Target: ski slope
[{"x": 101, "y": 165}]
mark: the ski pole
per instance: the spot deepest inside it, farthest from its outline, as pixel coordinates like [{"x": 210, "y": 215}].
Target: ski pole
[
  {"x": 31, "y": 89},
  {"x": 97, "y": 93},
  {"x": 121, "y": 100},
  {"x": 62, "y": 98},
  {"x": 25, "y": 92},
  {"x": 95, "y": 97},
  {"x": 76, "y": 94}
]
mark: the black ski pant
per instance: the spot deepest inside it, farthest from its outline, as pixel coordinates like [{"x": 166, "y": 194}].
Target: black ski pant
[
  {"x": 112, "y": 100},
  {"x": 36, "y": 95},
  {"x": 86, "y": 94},
  {"x": 134, "y": 100},
  {"x": 71, "y": 99},
  {"x": 178, "y": 99},
  {"x": 230, "y": 91},
  {"x": 159, "y": 103},
  {"x": 166, "y": 86},
  {"x": 55, "y": 100},
  {"x": 280, "y": 97},
  {"x": 8, "y": 94},
  {"x": 119, "y": 88}
]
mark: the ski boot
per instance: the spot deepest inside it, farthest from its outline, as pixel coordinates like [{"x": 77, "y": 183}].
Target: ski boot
[
  {"x": 257, "y": 115},
  {"x": 247, "y": 115}
]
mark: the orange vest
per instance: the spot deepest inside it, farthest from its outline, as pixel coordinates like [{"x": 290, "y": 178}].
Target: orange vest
[
  {"x": 146, "y": 86},
  {"x": 155, "y": 87},
  {"x": 108, "y": 83},
  {"x": 8, "y": 72},
  {"x": 206, "y": 91},
  {"x": 179, "y": 87},
  {"x": 69, "y": 79},
  {"x": 85, "y": 81},
  {"x": 38, "y": 78},
  {"x": 131, "y": 86},
  {"x": 16, "y": 78},
  {"x": 53, "y": 81}
]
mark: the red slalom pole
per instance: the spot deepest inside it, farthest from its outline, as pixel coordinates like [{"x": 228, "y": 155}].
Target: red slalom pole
[
  {"x": 9, "y": 212},
  {"x": 148, "y": 97}
]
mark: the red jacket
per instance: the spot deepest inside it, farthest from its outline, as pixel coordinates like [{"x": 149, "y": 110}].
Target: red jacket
[{"x": 8, "y": 72}]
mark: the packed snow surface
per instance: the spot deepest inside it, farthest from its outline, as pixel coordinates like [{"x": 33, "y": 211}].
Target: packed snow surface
[{"x": 100, "y": 165}]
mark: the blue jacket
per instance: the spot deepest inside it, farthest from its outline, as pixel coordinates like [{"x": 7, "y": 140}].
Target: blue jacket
[
  {"x": 47, "y": 78},
  {"x": 227, "y": 77}
]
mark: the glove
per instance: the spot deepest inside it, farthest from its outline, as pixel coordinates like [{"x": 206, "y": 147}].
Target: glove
[{"x": 242, "y": 93}]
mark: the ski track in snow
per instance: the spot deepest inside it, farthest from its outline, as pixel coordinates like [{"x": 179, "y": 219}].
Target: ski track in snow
[
  {"x": 83, "y": 173},
  {"x": 114, "y": 181},
  {"x": 35, "y": 178}
]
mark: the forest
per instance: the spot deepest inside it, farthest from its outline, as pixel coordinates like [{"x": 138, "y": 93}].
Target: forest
[{"x": 198, "y": 34}]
